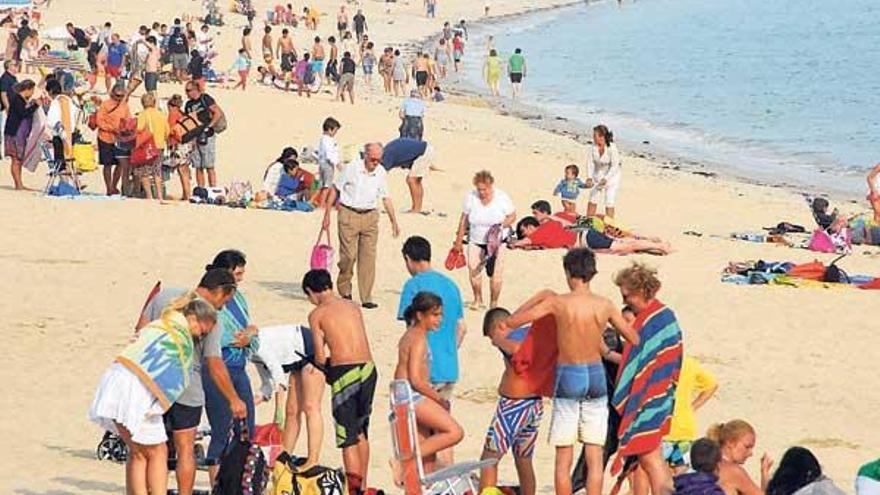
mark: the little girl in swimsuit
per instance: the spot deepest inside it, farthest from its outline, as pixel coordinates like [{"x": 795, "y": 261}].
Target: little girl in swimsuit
[{"x": 437, "y": 429}]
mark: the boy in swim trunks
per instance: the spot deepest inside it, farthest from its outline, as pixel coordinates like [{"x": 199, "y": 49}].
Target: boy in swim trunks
[
  {"x": 339, "y": 325},
  {"x": 518, "y": 414},
  {"x": 580, "y": 404}
]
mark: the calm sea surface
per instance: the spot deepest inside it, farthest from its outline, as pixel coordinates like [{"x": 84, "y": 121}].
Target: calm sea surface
[{"x": 785, "y": 90}]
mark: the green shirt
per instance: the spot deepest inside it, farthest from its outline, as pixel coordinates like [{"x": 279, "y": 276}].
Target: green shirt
[{"x": 516, "y": 63}]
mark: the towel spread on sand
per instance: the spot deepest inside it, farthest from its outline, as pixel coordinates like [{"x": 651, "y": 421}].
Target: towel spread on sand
[
  {"x": 162, "y": 357},
  {"x": 646, "y": 382}
]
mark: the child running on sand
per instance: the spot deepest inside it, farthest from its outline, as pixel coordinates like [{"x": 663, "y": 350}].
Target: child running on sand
[
  {"x": 146, "y": 378},
  {"x": 518, "y": 414},
  {"x": 580, "y": 409},
  {"x": 569, "y": 189},
  {"x": 338, "y": 324},
  {"x": 437, "y": 429}
]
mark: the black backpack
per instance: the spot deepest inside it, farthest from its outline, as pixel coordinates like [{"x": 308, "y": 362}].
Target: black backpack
[
  {"x": 243, "y": 467},
  {"x": 835, "y": 274}
]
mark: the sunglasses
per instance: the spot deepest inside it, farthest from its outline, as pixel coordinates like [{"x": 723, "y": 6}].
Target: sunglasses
[{"x": 117, "y": 96}]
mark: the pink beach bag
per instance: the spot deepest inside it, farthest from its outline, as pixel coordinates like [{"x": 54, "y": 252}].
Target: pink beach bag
[{"x": 322, "y": 254}]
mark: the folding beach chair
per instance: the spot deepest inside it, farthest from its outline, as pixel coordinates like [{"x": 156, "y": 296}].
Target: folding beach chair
[
  {"x": 61, "y": 169},
  {"x": 453, "y": 480}
]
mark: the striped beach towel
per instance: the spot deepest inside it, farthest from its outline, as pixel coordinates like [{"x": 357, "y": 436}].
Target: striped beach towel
[{"x": 646, "y": 382}]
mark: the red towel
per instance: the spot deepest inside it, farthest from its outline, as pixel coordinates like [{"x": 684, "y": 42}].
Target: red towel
[{"x": 535, "y": 361}]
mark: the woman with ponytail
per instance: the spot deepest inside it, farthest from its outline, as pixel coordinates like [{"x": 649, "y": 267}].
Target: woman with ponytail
[
  {"x": 437, "y": 429},
  {"x": 737, "y": 441},
  {"x": 603, "y": 171}
]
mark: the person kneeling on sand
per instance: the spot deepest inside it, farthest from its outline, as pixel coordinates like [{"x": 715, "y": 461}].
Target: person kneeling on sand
[
  {"x": 339, "y": 325},
  {"x": 135, "y": 391},
  {"x": 437, "y": 429}
]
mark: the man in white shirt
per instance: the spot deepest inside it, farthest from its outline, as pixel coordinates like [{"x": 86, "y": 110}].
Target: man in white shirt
[
  {"x": 360, "y": 186},
  {"x": 204, "y": 41}
]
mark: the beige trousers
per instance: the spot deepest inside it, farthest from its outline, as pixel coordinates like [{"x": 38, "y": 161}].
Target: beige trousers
[{"x": 358, "y": 236}]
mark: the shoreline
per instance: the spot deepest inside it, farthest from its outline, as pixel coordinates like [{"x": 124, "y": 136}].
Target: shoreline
[{"x": 545, "y": 119}]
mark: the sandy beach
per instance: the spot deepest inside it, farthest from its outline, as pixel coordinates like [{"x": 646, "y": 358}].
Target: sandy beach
[{"x": 798, "y": 364}]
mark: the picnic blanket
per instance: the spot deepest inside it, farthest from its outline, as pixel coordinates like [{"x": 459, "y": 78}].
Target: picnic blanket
[
  {"x": 646, "y": 382},
  {"x": 787, "y": 274}
]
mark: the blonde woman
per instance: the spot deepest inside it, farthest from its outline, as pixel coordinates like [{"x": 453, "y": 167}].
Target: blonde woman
[
  {"x": 485, "y": 207},
  {"x": 737, "y": 440},
  {"x": 134, "y": 392},
  {"x": 153, "y": 120}
]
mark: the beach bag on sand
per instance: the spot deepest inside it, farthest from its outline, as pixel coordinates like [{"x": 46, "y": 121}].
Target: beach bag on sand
[
  {"x": 268, "y": 437},
  {"x": 821, "y": 242},
  {"x": 188, "y": 128},
  {"x": 317, "y": 480},
  {"x": 322, "y": 254},
  {"x": 455, "y": 259},
  {"x": 84, "y": 158},
  {"x": 243, "y": 468},
  {"x": 835, "y": 274}
]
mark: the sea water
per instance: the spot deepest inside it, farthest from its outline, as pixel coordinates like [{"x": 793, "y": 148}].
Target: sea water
[{"x": 775, "y": 90}]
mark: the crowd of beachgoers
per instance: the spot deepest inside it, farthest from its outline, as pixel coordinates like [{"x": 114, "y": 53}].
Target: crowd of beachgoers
[{"x": 624, "y": 392}]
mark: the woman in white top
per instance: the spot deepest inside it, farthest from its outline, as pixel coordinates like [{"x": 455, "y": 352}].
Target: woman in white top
[
  {"x": 603, "y": 171},
  {"x": 484, "y": 208}
]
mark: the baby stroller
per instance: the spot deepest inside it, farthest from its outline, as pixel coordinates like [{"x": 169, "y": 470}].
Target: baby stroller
[{"x": 112, "y": 448}]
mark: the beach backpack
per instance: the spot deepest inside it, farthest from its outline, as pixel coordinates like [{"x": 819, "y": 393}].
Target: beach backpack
[
  {"x": 317, "y": 480},
  {"x": 188, "y": 128},
  {"x": 834, "y": 274},
  {"x": 127, "y": 130},
  {"x": 243, "y": 468},
  {"x": 322, "y": 254}
]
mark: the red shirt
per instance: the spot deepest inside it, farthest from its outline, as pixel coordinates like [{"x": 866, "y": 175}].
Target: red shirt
[
  {"x": 535, "y": 361},
  {"x": 551, "y": 235}
]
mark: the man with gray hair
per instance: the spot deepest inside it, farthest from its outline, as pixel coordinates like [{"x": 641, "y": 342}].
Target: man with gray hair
[{"x": 360, "y": 186}]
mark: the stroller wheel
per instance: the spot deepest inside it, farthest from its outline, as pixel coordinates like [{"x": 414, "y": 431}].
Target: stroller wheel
[{"x": 107, "y": 447}]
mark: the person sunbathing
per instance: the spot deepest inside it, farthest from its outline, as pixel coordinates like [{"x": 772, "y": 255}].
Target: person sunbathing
[
  {"x": 436, "y": 428},
  {"x": 551, "y": 234}
]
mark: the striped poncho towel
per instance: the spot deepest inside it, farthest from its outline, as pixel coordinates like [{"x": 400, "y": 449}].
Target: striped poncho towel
[{"x": 646, "y": 382}]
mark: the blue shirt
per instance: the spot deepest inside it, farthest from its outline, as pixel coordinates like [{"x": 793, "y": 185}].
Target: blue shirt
[
  {"x": 569, "y": 189},
  {"x": 402, "y": 152},
  {"x": 441, "y": 342},
  {"x": 116, "y": 54}
]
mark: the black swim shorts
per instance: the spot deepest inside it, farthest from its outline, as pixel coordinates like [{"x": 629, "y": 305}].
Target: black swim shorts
[
  {"x": 598, "y": 240},
  {"x": 308, "y": 352},
  {"x": 352, "y": 387},
  {"x": 516, "y": 77},
  {"x": 421, "y": 78},
  {"x": 181, "y": 418}
]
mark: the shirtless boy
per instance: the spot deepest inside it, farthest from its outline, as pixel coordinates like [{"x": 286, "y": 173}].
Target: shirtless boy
[
  {"x": 580, "y": 405},
  {"x": 420, "y": 65},
  {"x": 338, "y": 324},
  {"x": 266, "y": 45},
  {"x": 518, "y": 414}
]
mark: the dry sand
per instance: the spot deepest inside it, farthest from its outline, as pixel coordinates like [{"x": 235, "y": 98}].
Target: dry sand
[{"x": 796, "y": 363}]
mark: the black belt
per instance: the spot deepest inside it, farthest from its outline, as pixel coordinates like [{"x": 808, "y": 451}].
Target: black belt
[{"x": 359, "y": 211}]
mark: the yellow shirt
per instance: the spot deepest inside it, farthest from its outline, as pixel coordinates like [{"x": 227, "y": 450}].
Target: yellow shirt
[
  {"x": 154, "y": 121},
  {"x": 692, "y": 381}
]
